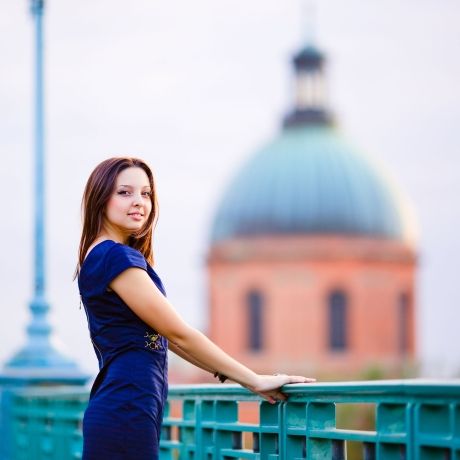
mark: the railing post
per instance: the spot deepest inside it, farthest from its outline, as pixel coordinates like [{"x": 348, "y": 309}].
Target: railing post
[
  {"x": 225, "y": 412},
  {"x": 199, "y": 430},
  {"x": 271, "y": 430},
  {"x": 320, "y": 416}
]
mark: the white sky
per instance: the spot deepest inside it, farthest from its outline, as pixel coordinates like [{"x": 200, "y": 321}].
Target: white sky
[{"x": 197, "y": 87}]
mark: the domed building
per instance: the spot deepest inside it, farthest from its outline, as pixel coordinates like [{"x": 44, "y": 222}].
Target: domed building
[{"x": 312, "y": 259}]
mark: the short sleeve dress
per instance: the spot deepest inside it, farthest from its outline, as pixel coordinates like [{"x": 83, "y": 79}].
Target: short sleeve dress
[{"x": 125, "y": 410}]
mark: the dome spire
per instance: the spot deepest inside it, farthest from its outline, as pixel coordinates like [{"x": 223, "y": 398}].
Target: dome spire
[
  {"x": 310, "y": 98},
  {"x": 308, "y": 21}
]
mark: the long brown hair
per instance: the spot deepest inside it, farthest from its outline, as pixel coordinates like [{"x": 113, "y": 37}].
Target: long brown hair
[{"x": 99, "y": 188}]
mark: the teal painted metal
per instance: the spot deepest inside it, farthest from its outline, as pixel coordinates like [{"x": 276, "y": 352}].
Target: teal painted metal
[
  {"x": 309, "y": 180},
  {"x": 47, "y": 423},
  {"x": 414, "y": 420}
]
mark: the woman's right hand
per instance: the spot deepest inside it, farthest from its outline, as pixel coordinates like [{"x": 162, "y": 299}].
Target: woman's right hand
[{"x": 269, "y": 386}]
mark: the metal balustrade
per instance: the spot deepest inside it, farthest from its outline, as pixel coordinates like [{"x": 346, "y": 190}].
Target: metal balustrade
[
  {"x": 47, "y": 423},
  {"x": 382, "y": 420}
]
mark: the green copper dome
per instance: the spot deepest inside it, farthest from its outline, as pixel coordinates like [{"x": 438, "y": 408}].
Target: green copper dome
[{"x": 310, "y": 181}]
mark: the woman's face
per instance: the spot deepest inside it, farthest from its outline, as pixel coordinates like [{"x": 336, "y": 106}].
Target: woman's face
[{"x": 130, "y": 203}]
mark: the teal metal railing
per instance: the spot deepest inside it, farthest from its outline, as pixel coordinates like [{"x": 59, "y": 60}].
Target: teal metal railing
[
  {"x": 47, "y": 423},
  {"x": 383, "y": 420}
]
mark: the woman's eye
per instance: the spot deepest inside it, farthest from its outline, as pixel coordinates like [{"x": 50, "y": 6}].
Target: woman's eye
[
  {"x": 123, "y": 192},
  {"x": 147, "y": 193}
]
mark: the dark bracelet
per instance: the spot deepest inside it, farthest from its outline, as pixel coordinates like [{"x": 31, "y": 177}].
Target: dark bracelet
[{"x": 222, "y": 378}]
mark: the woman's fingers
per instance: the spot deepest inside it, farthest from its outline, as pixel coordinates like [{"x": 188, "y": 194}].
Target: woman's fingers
[
  {"x": 270, "y": 384},
  {"x": 299, "y": 379},
  {"x": 267, "y": 397},
  {"x": 273, "y": 396},
  {"x": 285, "y": 379}
]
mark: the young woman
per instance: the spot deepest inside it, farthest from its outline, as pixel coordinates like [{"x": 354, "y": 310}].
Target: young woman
[{"x": 132, "y": 324}]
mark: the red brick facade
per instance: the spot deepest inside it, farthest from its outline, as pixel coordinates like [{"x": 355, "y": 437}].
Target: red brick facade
[{"x": 295, "y": 277}]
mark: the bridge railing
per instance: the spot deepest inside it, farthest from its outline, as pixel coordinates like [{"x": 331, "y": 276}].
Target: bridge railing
[{"x": 382, "y": 420}]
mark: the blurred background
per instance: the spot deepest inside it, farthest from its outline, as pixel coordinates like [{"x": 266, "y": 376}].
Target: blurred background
[{"x": 199, "y": 89}]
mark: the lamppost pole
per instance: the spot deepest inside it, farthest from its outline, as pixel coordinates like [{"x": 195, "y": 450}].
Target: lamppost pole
[{"x": 39, "y": 329}]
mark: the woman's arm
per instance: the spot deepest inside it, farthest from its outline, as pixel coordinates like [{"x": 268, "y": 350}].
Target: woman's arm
[
  {"x": 138, "y": 291},
  {"x": 179, "y": 352}
]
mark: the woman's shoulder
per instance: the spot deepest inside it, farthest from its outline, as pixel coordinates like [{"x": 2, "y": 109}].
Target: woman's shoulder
[
  {"x": 107, "y": 259},
  {"x": 99, "y": 246},
  {"x": 110, "y": 249}
]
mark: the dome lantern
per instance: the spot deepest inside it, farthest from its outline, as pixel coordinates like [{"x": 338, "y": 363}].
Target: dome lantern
[{"x": 310, "y": 94}]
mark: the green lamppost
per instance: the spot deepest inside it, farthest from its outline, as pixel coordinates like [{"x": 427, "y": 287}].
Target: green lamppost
[{"x": 38, "y": 362}]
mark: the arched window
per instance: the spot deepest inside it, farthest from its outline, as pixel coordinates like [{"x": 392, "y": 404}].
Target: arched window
[
  {"x": 255, "y": 320},
  {"x": 403, "y": 323},
  {"x": 337, "y": 321}
]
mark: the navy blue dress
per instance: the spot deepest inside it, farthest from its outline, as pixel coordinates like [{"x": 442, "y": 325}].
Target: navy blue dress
[{"x": 125, "y": 409}]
